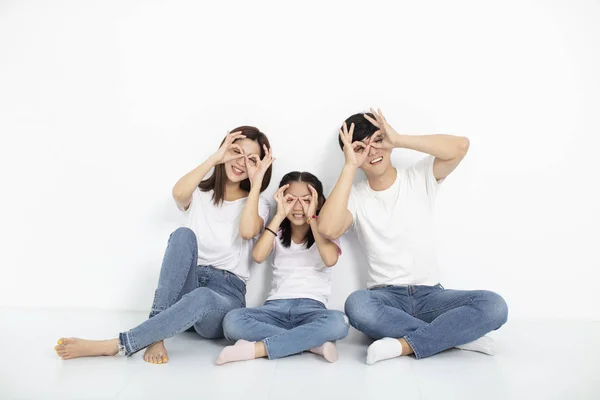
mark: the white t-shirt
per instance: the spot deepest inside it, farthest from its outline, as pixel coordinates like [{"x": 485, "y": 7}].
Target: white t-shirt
[
  {"x": 217, "y": 230},
  {"x": 299, "y": 273},
  {"x": 396, "y": 227}
]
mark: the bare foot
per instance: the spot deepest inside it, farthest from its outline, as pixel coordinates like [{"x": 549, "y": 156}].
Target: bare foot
[
  {"x": 156, "y": 353},
  {"x": 68, "y": 348},
  {"x": 328, "y": 350}
]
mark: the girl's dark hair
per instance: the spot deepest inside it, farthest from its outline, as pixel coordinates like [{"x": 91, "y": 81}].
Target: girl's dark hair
[
  {"x": 286, "y": 225},
  {"x": 218, "y": 179}
]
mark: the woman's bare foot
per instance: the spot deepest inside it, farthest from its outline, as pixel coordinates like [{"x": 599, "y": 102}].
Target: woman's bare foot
[
  {"x": 68, "y": 348},
  {"x": 156, "y": 353}
]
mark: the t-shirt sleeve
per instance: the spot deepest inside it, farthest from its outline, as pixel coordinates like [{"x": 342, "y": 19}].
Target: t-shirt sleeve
[
  {"x": 352, "y": 206},
  {"x": 339, "y": 246},
  {"x": 264, "y": 209},
  {"x": 195, "y": 203},
  {"x": 421, "y": 175}
]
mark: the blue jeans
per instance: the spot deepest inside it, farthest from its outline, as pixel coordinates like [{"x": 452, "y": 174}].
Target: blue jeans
[
  {"x": 188, "y": 295},
  {"x": 430, "y": 318},
  {"x": 287, "y": 326}
]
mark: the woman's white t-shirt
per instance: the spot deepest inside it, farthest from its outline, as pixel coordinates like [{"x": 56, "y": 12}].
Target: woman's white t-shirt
[
  {"x": 299, "y": 273},
  {"x": 217, "y": 230}
]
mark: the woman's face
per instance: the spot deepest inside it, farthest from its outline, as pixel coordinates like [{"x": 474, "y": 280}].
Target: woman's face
[
  {"x": 299, "y": 190},
  {"x": 237, "y": 170}
]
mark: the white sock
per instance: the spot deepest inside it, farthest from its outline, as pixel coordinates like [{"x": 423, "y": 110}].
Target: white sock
[
  {"x": 383, "y": 349},
  {"x": 484, "y": 344},
  {"x": 242, "y": 350}
]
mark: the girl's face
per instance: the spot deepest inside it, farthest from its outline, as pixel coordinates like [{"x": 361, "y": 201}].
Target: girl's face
[
  {"x": 301, "y": 191},
  {"x": 237, "y": 170}
]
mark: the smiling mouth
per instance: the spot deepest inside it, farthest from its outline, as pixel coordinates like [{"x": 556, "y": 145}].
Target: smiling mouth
[
  {"x": 298, "y": 215},
  {"x": 376, "y": 161},
  {"x": 236, "y": 170}
]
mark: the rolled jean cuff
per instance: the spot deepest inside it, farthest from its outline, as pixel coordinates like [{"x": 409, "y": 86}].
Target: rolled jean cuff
[
  {"x": 127, "y": 343},
  {"x": 412, "y": 345}
]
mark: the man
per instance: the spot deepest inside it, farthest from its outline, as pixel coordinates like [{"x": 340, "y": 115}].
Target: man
[{"x": 404, "y": 308}]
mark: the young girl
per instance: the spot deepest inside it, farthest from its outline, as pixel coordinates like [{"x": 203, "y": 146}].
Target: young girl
[
  {"x": 205, "y": 266},
  {"x": 294, "y": 318}
]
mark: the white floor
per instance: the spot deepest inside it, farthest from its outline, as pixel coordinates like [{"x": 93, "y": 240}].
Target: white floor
[{"x": 535, "y": 360}]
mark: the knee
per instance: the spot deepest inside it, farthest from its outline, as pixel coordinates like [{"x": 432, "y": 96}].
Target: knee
[
  {"x": 494, "y": 307},
  {"x": 338, "y": 325},
  {"x": 183, "y": 237},
  {"x": 358, "y": 308},
  {"x": 232, "y": 324}
]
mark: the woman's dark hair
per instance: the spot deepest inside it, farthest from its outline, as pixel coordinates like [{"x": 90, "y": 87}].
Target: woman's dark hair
[
  {"x": 286, "y": 225},
  {"x": 363, "y": 128},
  {"x": 218, "y": 179}
]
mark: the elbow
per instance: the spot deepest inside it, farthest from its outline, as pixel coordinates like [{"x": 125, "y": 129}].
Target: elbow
[
  {"x": 257, "y": 258},
  {"x": 330, "y": 262},
  {"x": 246, "y": 234},
  {"x": 179, "y": 196},
  {"x": 463, "y": 146},
  {"x": 326, "y": 231}
]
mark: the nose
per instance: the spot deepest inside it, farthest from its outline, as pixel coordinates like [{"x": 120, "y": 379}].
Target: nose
[
  {"x": 373, "y": 151},
  {"x": 298, "y": 206}
]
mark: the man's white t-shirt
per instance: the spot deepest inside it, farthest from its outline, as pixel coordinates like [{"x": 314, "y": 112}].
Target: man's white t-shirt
[
  {"x": 396, "y": 227},
  {"x": 299, "y": 273},
  {"x": 217, "y": 230}
]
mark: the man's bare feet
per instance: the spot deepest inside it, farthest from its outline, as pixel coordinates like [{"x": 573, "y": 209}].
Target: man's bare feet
[
  {"x": 68, "y": 348},
  {"x": 156, "y": 353}
]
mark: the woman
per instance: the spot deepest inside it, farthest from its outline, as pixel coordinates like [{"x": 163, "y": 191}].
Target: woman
[
  {"x": 294, "y": 318},
  {"x": 205, "y": 266}
]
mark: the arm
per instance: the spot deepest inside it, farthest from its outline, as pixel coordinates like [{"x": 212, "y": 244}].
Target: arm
[
  {"x": 334, "y": 218},
  {"x": 264, "y": 245},
  {"x": 327, "y": 249},
  {"x": 250, "y": 222},
  {"x": 185, "y": 186},
  {"x": 448, "y": 150}
]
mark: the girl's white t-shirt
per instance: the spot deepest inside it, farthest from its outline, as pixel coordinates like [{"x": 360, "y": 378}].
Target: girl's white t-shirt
[{"x": 299, "y": 272}]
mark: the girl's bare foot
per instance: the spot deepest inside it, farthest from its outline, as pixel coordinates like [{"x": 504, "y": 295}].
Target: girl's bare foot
[
  {"x": 68, "y": 348},
  {"x": 156, "y": 353}
]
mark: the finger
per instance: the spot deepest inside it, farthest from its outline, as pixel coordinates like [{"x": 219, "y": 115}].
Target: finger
[
  {"x": 376, "y": 136},
  {"x": 312, "y": 190},
  {"x": 343, "y": 137},
  {"x": 351, "y": 132},
  {"x": 371, "y": 120},
  {"x": 233, "y": 157},
  {"x": 282, "y": 189},
  {"x": 356, "y": 145},
  {"x": 381, "y": 115},
  {"x": 345, "y": 128},
  {"x": 232, "y": 146}
]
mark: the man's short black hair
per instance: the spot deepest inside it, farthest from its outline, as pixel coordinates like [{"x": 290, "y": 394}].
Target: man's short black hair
[{"x": 362, "y": 127}]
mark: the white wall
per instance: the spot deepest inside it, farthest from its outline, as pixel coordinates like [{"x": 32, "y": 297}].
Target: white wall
[{"x": 104, "y": 105}]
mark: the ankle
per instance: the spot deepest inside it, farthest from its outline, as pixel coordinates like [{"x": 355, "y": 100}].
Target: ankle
[
  {"x": 110, "y": 347},
  {"x": 406, "y": 349}
]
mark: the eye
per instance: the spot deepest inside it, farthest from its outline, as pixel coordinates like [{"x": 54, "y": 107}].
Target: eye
[
  {"x": 358, "y": 150},
  {"x": 379, "y": 140},
  {"x": 290, "y": 200},
  {"x": 236, "y": 151}
]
